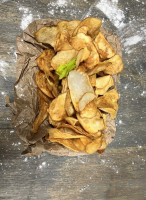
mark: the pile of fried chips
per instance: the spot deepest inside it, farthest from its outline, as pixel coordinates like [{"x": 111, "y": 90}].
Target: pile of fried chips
[{"x": 77, "y": 102}]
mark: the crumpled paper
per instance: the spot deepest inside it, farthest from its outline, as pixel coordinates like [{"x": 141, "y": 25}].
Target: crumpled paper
[{"x": 25, "y": 105}]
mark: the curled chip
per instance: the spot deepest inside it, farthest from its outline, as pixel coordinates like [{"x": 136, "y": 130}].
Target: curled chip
[
  {"x": 79, "y": 84},
  {"x": 91, "y": 125},
  {"x": 90, "y": 110},
  {"x": 63, "y": 133},
  {"x": 85, "y": 99},
  {"x": 80, "y": 41},
  {"x": 109, "y": 102},
  {"x": 63, "y": 57},
  {"x": 114, "y": 65},
  {"x": 103, "y": 84},
  {"x": 82, "y": 55},
  {"x": 78, "y": 143},
  {"x": 62, "y": 42},
  {"x": 57, "y": 108},
  {"x": 47, "y": 35},
  {"x": 93, "y": 58},
  {"x": 67, "y": 26},
  {"x": 43, "y": 84},
  {"x": 44, "y": 60},
  {"x": 93, "y": 25},
  {"x": 103, "y": 47},
  {"x": 72, "y": 121},
  {"x": 44, "y": 103},
  {"x": 68, "y": 105},
  {"x": 94, "y": 146}
]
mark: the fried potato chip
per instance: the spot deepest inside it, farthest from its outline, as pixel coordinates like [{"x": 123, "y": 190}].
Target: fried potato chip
[
  {"x": 109, "y": 102},
  {"x": 93, "y": 25},
  {"x": 76, "y": 128},
  {"x": 115, "y": 65},
  {"x": 63, "y": 133},
  {"x": 57, "y": 108},
  {"x": 94, "y": 146},
  {"x": 78, "y": 143},
  {"x": 90, "y": 110},
  {"x": 98, "y": 68},
  {"x": 79, "y": 84},
  {"x": 44, "y": 103},
  {"x": 93, "y": 58},
  {"x": 43, "y": 85},
  {"x": 93, "y": 80},
  {"x": 65, "y": 142},
  {"x": 55, "y": 123},
  {"x": 63, "y": 57},
  {"x": 83, "y": 29},
  {"x": 80, "y": 41},
  {"x": 85, "y": 99},
  {"x": 103, "y": 84},
  {"x": 47, "y": 35},
  {"x": 67, "y": 26},
  {"x": 103, "y": 144},
  {"x": 81, "y": 68},
  {"x": 62, "y": 42},
  {"x": 44, "y": 60},
  {"x": 68, "y": 105},
  {"x": 72, "y": 121},
  {"x": 86, "y": 140},
  {"x": 103, "y": 47},
  {"x": 91, "y": 125},
  {"x": 82, "y": 55},
  {"x": 64, "y": 84}
]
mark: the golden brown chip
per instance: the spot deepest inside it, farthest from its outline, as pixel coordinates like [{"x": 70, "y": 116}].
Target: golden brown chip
[
  {"x": 43, "y": 85},
  {"x": 98, "y": 68},
  {"x": 63, "y": 57},
  {"x": 47, "y": 35},
  {"x": 93, "y": 80},
  {"x": 68, "y": 105},
  {"x": 71, "y": 120},
  {"x": 44, "y": 103},
  {"x": 109, "y": 102},
  {"x": 115, "y": 65},
  {"x": 63, "y": 133},
  {"x": 78, "y": 143},
  {"x": 91, "y": 125},
  {"x": 76, "y": 128},
  {"x": 103, "y": 47},
  {"x": 86, "y": 140},
  {"x": 83, "y": 29},
  {"x": 62, "y": 42},
  {"x": 90, "y": 110},
  {"x": 81, "y": 68},
  {"x": 85, "y": 99},
  {"x": 55, "y": 123},
  {"x": 79, "y": 84},
  {"x": 57, "y": 108},
  {"x": 44, "y": 60},
  {"x": 94, "y": 146},
  {"x": 93, "y": 25},
  {"x": 103, "y": 84},
  {"x": 93, "y": 58},
  {"x": 64, "y": 84},
  {"x": 80, "y": 41},
  {"x": 65, "y": 142},
  {"x": 82, "y": 55},
  {"x": 67, "y": 26}
]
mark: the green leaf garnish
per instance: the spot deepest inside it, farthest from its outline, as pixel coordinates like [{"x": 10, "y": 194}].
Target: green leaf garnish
[{"x": 63, "y": 70}]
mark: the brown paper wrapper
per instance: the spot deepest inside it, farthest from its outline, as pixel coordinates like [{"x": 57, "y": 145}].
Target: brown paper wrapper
[{"x": 25, "y": 105}]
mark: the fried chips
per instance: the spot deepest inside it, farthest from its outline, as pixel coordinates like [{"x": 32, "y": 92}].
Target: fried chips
[{"x": 76, "y": 106}]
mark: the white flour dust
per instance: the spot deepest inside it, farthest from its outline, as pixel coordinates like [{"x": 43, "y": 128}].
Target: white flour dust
[
  {"x": 132, "y": 40},
  {"x": 27, "y": 17},
  {"x": 111, "y": 10}
]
